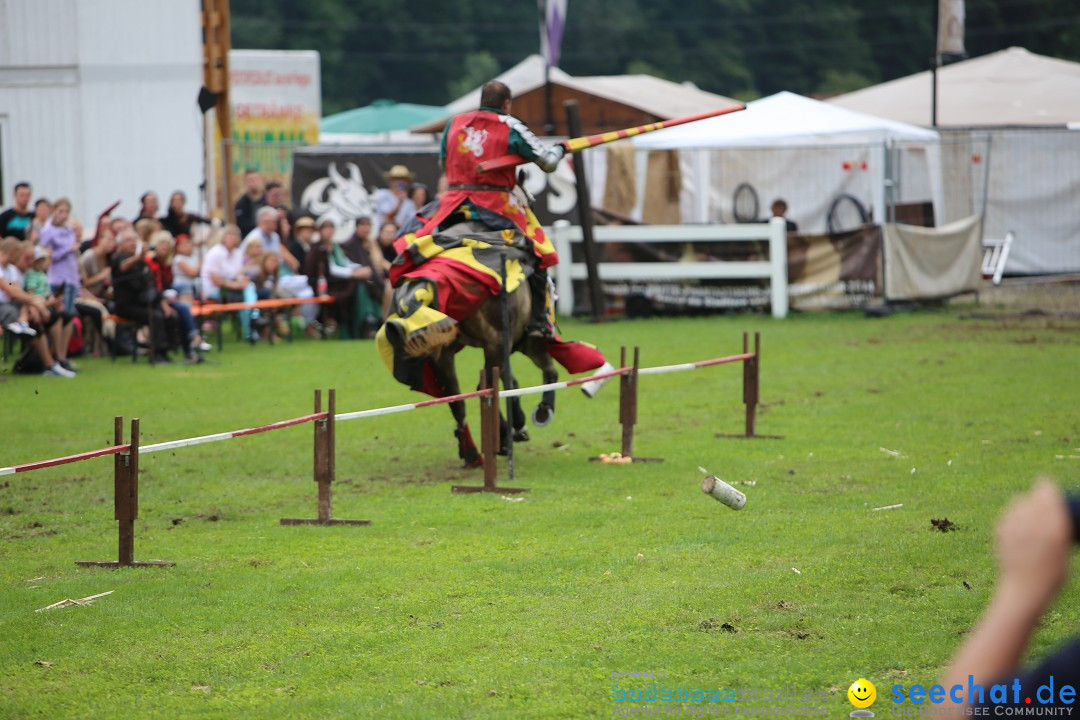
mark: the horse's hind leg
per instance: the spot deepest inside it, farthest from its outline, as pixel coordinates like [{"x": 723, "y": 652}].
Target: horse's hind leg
[
  {"x": 544, "y": 412},
  {"x": 447, "y": 377}
]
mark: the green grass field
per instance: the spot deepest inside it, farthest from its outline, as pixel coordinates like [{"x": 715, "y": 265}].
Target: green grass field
[{"x": 471, "y": 606}]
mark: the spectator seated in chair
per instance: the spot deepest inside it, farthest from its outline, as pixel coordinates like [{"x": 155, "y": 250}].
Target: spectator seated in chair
[
  {"x": 160, "y": 262},
  {"x": 16, "y": 257},
  {"x": 185, "y": 268},
  {"x": 222, "y": 276},
  {"x": 138, "y": 301},
  {"x": 36, "y": 281},
  {"x": 290, "y": 281}
]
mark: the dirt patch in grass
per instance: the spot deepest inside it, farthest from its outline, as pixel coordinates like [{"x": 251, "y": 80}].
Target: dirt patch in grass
[{"x": 943, "y": 524}]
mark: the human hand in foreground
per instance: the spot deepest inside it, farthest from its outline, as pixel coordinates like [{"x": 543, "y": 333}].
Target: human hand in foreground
[{"x": 1034, "y": 538}]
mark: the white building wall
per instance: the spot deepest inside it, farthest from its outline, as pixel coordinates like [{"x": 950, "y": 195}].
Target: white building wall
[
  {"x": 110, "y": 111},
  {"x": 37, "y": 33},
  {"x": 141, "y": 69},
  {"x": 39, "y": 97}
]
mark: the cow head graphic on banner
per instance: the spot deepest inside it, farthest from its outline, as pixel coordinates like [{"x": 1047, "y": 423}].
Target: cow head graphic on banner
[{"x": 338, "y": 198}]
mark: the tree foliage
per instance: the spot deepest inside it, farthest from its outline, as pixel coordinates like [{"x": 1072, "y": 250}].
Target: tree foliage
[{"x": 430, "y": 51}]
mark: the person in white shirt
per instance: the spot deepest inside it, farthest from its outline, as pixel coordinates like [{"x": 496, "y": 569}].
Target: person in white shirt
[
  {"x": 223, "y": 267},
  {"x": 266, "y": 231},
  {"x": 222, "y": 276}
]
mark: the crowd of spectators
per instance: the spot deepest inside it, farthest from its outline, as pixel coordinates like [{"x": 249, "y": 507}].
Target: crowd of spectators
[{"x": 133, "y": 284}]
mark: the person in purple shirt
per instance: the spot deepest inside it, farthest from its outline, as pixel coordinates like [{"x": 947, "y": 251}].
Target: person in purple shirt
[{"x": 58, "y": 237}]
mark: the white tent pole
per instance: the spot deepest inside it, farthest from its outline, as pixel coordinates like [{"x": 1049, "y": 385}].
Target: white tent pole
[
  {"x": 704, "y": 186},
  {"x": 879, "y": 212},
  {"x": 641, "y": 171}
]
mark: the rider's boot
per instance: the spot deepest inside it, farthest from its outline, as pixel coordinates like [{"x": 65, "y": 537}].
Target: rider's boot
[{"x": 542, "y": 322}]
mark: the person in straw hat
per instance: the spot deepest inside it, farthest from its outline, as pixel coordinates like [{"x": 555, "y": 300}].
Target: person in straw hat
[{"x": 394, "y": 204}]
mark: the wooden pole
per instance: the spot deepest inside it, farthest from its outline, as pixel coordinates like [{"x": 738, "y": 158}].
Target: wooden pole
[
  {"x": 751, "y": 391},
  {"x": 324, "y": 466},
  {"x": 489, "y": 439},
  {"x": 121, "y": 495},
  {"x": 584, "y": 205},
  {"x": 628, "y": 403},
  {"x": 322, "y": 463},
  {"x": 508, "y": 374},
  {"x": 331, "y": 460},
  {"x": 216, "y": 46},
  {"x": 751, "y": 378},
  {"x": 489, "y": 428},
  {"x": 125, "y": 501}
]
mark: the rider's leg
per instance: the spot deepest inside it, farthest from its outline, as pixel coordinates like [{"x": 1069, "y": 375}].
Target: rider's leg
[{"x": 542, "y": 320}]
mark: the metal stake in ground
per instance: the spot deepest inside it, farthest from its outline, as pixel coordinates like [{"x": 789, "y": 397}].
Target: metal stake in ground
[
  {"x": 325, "y": 466},
  {"x": 125, "y": 501}
]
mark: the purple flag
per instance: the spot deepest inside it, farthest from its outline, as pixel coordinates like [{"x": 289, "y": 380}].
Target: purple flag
[{"x": 552, "y": 20}]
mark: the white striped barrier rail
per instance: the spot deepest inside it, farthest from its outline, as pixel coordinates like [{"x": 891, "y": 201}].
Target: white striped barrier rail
[{"x": 126, "y": 454}]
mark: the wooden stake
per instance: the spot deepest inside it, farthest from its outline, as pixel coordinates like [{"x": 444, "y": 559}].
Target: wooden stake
[
  {"x": 489, "y": 439},
  {"x": 751, "y": 391},
  {"x": 125, "y": 501},
  {"x": 324, "y": 465}
]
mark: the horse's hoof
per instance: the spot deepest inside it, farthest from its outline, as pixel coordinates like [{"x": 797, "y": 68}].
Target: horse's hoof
[
  {"x": 521, "y": 435},
  {"x": 542, "y": 415},
  {"x": 476, "y": 462}
]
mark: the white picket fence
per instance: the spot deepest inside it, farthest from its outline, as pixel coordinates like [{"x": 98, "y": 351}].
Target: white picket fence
[{"x": 775, "y": 268}]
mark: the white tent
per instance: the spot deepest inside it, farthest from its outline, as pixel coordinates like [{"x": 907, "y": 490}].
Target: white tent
[
  {"x": 805, "y": 151},
  {"x": 1023, "y": 105},
  {"x": 1011, "y": 87},
  {"x": 784, "y": 119}
]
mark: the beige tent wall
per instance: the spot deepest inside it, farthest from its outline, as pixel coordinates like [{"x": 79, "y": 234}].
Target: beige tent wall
[{"x": 1035, "y": 192}]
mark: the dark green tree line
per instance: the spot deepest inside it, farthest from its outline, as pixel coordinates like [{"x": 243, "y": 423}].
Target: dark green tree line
[{"x": 429, "y": 51}]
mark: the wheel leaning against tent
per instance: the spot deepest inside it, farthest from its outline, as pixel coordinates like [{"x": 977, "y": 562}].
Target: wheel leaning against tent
[
  {"x": 846, "y": 213},
  {"x": 744, "y": 203}
]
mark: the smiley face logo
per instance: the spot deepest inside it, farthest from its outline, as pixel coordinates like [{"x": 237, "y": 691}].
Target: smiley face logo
[{"x": 862, "y": 693}]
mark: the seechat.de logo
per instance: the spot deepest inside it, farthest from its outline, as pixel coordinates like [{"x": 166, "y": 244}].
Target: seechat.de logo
[
  {"x": 862, "y": 695},
  {"x": 1003, "y": 693}
]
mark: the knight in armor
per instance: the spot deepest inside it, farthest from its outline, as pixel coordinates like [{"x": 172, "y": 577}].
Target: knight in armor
[
  {"x": 490, "y": 198},
  {"x": 448, "y": 258}
]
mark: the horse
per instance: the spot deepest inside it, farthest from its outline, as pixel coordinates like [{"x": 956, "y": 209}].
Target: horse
[
  {"x": 424, "y": 357},
  {"x": 484, "y": 330}
]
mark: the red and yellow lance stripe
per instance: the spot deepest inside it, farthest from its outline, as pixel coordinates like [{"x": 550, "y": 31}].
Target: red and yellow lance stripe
[{"x": 578, "y": 144}]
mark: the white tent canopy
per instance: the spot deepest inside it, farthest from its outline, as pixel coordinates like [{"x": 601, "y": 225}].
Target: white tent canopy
[
  {"x": 790, "y": 146},
  {"x": 783, "y": 119},
  {"x": 1025, "y": 104},
  {"x": 1010, "y": 87}
]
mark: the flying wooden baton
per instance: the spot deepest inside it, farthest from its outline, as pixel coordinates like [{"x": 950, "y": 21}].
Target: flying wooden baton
[{"x": 578, "y": 144}]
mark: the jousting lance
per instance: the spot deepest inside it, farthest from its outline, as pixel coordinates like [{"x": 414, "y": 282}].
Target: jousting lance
[{"x": 578, "y": 144}]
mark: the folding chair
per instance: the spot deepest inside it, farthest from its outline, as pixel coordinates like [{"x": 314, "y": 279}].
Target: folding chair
[{"x": 995, "y": 255}]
